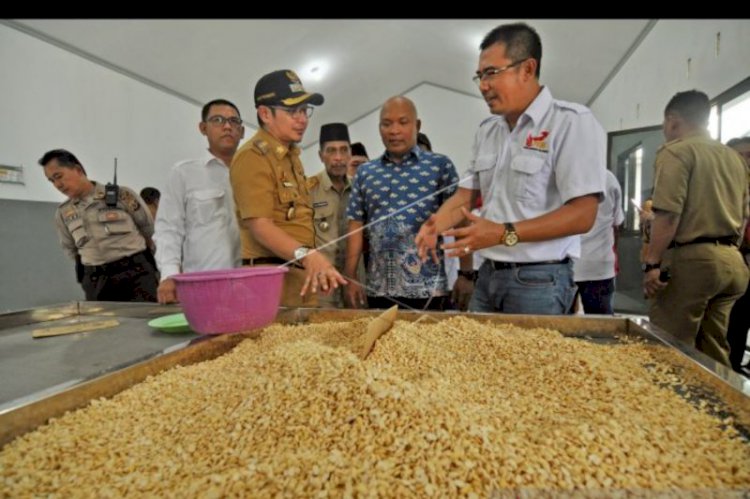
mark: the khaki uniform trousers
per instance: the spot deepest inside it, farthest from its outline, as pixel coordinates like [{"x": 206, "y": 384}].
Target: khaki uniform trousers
[{"x": 706, "y": 280}]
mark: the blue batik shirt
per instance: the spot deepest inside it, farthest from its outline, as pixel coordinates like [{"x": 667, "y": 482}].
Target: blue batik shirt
[{"x": 394, "y": 200}]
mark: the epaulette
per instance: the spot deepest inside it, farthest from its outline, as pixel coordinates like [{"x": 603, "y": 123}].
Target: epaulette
[
  {"x": 573, "y": 106},
  {"x": 261, "y": 146}
]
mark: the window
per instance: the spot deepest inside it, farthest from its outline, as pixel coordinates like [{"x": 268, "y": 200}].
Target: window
[{"x": 730, "y": 113}]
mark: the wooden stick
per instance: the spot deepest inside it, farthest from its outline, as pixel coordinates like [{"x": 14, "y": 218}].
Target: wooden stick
[{"x": 74, "y": 328}]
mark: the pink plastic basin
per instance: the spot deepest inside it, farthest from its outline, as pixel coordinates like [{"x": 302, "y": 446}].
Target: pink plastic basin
[{"x": 231, "y": 300}]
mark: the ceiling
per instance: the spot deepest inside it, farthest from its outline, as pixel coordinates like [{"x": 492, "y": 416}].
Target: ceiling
[{"x": 363, "y": 62}]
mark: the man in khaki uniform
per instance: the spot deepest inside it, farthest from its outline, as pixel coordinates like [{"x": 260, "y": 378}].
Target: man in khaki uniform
[
  {"x": 110, "y": 241},
  {"x": 330, "y": 191},
  {"x": 274, "y": 205},
  {"x": 700, "y": 205}
]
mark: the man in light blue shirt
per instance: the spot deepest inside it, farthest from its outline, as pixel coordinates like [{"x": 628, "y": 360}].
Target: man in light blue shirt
[{"x": 539, "y": 164}]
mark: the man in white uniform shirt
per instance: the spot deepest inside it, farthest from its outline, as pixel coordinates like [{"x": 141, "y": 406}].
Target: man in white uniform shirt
[
  {"x": 195, "y": 225},
  {"x": 539, "y": 164},
  {"x": 595, "y": 270}
]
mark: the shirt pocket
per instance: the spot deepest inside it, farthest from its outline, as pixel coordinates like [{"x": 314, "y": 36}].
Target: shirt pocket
[
  {"x": 77, "y": 232},
  {"x": 205, "y": 206},
  {"x": 323, "y": 213},
  {"x": 115, "y": 222},
  {"x": 484, "y": 166},
  {"x": 529, "y": 178}
]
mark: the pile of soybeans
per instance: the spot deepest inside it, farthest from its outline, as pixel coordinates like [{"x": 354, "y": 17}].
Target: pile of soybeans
[{"x": 455, "y": 408}]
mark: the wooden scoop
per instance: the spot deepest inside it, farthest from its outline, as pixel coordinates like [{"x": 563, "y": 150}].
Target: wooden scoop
[{"x": 377, "y": 327}]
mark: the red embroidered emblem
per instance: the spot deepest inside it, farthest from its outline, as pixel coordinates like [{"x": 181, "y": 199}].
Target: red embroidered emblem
[{"x": 538, "y": 142}]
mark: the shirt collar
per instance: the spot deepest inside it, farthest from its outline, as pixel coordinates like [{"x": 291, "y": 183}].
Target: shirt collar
[
  {"x": 416, "y": 151},
  {"x": 96, "y": 193},
  {"x": 279, "y": 149},
  {"x": 208, "y": 158},
  {"x": 327, "y": 185},
  {"x": 539, "y": 106}
]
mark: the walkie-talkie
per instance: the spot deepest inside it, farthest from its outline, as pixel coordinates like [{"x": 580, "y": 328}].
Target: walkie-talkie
[{"x": 112, "y": 191}]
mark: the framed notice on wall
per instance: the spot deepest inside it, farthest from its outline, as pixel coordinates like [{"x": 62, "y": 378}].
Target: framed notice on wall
[{"x": 11, "y": 174}]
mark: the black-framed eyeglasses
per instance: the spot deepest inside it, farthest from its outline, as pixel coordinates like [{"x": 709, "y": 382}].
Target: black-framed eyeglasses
[
  {"x": 219, "y": 120},
  {"x": 489, "y": 73},
  {"x": 296, "y": 112}
]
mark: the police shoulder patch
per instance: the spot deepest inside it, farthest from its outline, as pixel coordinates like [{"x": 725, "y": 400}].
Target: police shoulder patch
[{"x": 130, "y": 201}]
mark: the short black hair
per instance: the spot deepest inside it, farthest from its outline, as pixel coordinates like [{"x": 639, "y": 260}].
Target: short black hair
[
  {"x": 692, "y": 106},
  {"x": 738, "y": 141},
  {"x": 423, "y": 140},
  {"x": 358, "y": 149},
  {"x": 217, "y": 102},
  {"x": 150, "y": 195},
  {"x": 64, "y": 158},
  {"x": 521, "y": 42}
]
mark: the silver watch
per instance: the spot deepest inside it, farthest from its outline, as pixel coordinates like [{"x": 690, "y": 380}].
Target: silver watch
[{"x": 301, "y": 253}]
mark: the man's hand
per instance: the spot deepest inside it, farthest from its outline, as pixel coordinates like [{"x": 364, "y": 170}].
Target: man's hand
[
  {"x": 427, "y": 240},
  {"x": 167, "y": 291},
  {"x": 652, "y": 284},
  {"x": 462, "y": 291},
  {"x": 320, "y": 274},
  {"x": 355, "y": 295},
  {"x": 480, "y": 234}
]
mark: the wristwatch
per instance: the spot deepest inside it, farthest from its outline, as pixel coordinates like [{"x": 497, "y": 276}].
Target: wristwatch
[
  {"x": 510, "y": 238},
  {"x": 648, "y": 267},
  {"x": 301, "y": 253}
]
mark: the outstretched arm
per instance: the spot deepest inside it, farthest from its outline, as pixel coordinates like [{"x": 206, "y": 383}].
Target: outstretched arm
[{"x": 450, "y": 214}]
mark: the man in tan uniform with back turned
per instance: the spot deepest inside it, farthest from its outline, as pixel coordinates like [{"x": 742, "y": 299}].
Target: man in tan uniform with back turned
[
  {"x": 274, "y": 205},
  {"x": 700, "y": 207}
]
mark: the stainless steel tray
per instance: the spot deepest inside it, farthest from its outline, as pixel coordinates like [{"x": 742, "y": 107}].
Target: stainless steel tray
[{"x": 727, "y": 392}]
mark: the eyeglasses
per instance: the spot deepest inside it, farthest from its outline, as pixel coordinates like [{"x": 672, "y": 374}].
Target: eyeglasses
[
  {"x": 219, "y": 120},
  {"x": 490, "y": 72},
  {"x": 296, "y": 112}
]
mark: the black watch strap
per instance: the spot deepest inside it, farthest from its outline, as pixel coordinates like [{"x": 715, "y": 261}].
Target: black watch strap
[
  {"x": 468, "y": 274},
  {"x": 648, "y": 267}
]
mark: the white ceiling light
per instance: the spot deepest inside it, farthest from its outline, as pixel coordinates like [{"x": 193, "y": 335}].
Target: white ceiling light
[{"x": 315, "y": 71}]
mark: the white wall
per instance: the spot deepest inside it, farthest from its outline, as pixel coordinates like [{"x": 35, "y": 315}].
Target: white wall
[
  {"x": 658, "y": 69},
  {"x": 51, "y": 98},
  {"x": 449, "y": 119}
]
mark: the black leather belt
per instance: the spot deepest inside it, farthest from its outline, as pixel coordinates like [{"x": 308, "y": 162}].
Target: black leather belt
[
  {"x": 117, "y": 265},
  {"x": 724, "y": 241},
  {"x": 268, "y": 260},
  {"x": 512, "y": 265}
]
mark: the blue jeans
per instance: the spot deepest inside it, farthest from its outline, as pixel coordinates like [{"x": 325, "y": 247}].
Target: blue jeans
[
  {"x": 597, "y": 296},
  {"x": 546, "y": 289}
]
